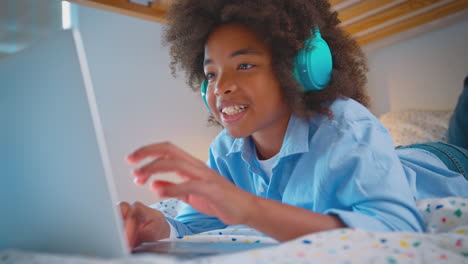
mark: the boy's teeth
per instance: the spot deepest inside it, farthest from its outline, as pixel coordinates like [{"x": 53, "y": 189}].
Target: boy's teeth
[{"x": 235, "y": 109}]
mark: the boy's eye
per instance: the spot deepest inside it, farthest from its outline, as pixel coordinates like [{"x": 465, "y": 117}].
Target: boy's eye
[
  {"x": 245, "y": 66},
  {"x": 210, "y": 76}
]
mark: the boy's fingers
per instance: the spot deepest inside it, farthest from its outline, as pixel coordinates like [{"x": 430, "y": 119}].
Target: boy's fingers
[
  {"x": 138, "y": 208},
  {"x": 160, "y": 150},
  {"x": 130, "y": 230},
  {"x": 159, "y": 186},
  {"x": 131, "y": 226},
  {"x": 124, "y": 209},
  {"x": 193, "y": 187},
  {"x": 184, "y": 169},
  {"x": 154, "y": 151}
]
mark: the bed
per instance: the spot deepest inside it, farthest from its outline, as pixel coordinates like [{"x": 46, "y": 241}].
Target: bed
[
  {"x": 417, "y": 126},
  {"x": 445, "y": 241}
]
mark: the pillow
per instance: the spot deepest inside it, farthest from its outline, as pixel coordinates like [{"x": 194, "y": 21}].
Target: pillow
[{"x": 417, "y": 126}]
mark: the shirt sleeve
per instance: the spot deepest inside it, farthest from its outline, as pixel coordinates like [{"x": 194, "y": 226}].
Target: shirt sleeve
[
  {"x": 369, "y": 185},
  {"x": 189, "y": 221},
  {"x": 173, "y": 231}
]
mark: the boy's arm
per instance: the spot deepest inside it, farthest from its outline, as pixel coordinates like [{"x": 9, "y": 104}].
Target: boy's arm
[
  {"x": 285, "y": 222},
  {"x": 364, "y": 180},
  {"x": 280, "y": 221}
]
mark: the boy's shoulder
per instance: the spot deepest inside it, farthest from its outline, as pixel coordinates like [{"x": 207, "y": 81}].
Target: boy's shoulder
[
  {"x": 350, "y": 114},
  {"x": 347, "y": 109}
]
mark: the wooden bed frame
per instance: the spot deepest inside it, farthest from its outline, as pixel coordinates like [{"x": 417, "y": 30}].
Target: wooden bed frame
[{"x": 367, "y": 21}]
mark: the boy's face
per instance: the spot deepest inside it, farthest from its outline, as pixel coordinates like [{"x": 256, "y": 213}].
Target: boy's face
[{"x": 243, "y": 92}]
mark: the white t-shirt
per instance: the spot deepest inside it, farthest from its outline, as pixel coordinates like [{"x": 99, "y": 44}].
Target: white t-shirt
[{"x": 268, "y": 164}]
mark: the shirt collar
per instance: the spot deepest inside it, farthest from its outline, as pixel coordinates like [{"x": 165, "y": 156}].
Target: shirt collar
[{"x": 296, "y": 140}]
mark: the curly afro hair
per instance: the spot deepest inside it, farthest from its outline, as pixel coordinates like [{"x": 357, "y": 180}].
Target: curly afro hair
[{"x": 284, "y": 25}]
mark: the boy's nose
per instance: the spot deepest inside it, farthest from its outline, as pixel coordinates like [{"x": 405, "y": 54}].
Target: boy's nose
[
  {"x": 223, "y": 91},
  {"x": 224, "y": 86}
]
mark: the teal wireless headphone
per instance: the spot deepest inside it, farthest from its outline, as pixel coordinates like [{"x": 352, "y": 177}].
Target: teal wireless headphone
[{"x": 312, "y": 66}]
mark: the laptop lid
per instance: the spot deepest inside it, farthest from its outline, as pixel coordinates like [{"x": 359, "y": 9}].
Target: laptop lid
[{"x": 56, "y": 190}]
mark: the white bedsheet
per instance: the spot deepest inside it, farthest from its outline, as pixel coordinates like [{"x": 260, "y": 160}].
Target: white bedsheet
[{"x": 446, "y": 241}]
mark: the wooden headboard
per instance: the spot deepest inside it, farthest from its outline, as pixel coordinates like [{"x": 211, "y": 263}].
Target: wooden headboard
[{"x": 366, "y": 20}]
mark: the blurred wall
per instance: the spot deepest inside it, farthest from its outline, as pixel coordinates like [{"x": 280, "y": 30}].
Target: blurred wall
[{"x": 424, "y": 72}]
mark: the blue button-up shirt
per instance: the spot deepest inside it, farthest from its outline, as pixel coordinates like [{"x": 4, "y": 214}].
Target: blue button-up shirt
[{"x": 346, "y": 166}]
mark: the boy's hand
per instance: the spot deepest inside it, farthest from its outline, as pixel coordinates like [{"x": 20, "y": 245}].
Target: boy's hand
[
  {"x": 203, "y": 188},
  {"x": 143, "y": 224}
]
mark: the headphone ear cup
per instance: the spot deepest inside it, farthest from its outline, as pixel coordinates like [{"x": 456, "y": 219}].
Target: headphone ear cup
[
  {"x": 203, "y": 88},
  {"x": 313, "y": 64}
]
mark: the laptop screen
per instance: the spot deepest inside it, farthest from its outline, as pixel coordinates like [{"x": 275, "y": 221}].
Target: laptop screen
[{"x": 57, "y": 193}]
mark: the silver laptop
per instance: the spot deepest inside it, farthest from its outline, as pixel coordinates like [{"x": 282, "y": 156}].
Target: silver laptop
[{"x": 57, "y": 191}]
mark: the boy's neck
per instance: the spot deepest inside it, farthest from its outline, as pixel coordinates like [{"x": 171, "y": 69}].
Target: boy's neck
[{"x": 268, "y": 142}]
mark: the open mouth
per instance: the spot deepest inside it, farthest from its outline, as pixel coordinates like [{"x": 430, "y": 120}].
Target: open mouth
[
  {"x": 234, "y": 109},
  {"x": 233, "y": 113}
]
